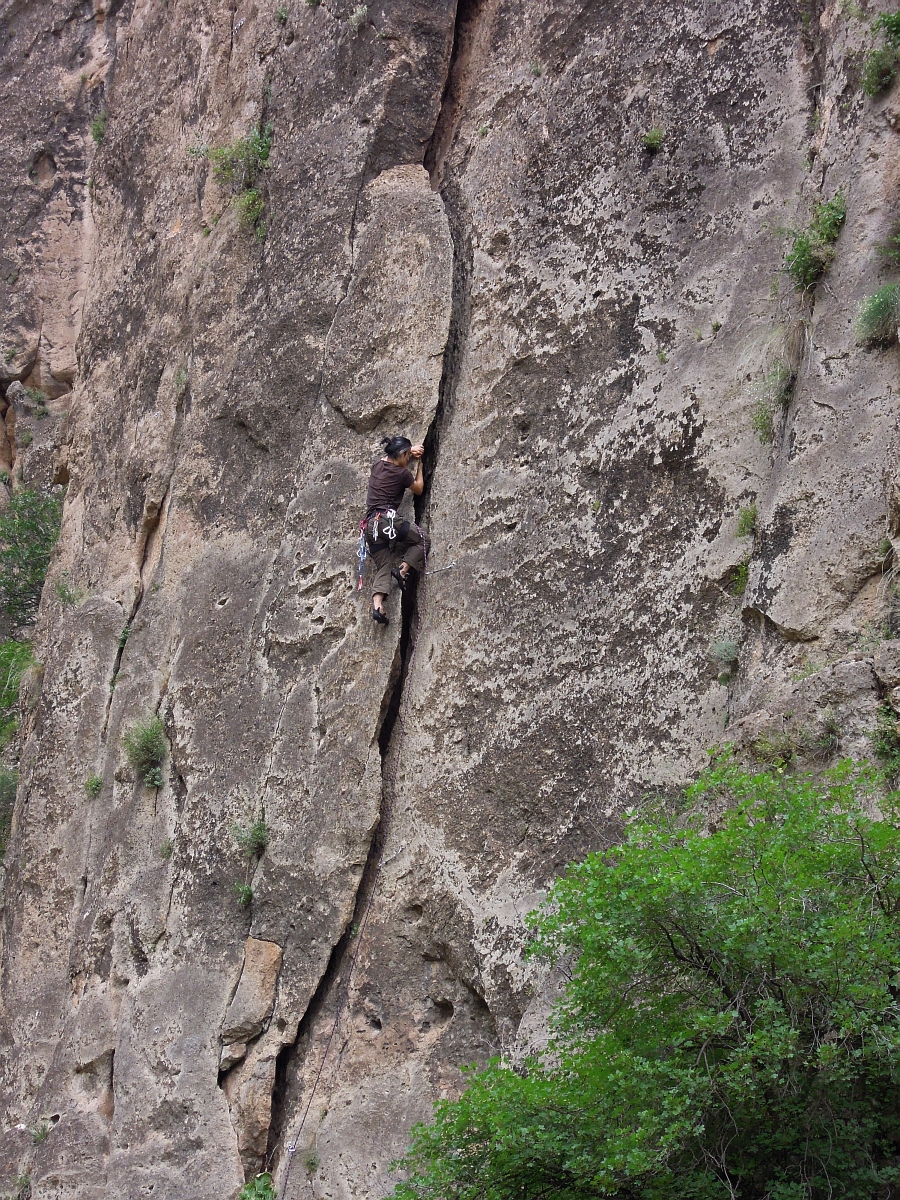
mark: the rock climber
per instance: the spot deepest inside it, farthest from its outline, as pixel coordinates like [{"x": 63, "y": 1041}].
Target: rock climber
[{"x": 384, "y": 531}]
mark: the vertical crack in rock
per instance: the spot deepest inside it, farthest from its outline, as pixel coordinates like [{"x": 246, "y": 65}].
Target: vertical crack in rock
[
  {"x": 334, "y": 984},
  {"x": 466, "y": 35}
]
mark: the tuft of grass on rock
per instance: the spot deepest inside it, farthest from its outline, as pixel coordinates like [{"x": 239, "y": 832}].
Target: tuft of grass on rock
[
  {"x": 98, "y": 126},
  {"x": 251, "y": 838},
  {"x": 653, "y": 139},
  {"x": 879, "y": 316},
  {"x": 93, "y": 785},
  {"x": 746, "y": 522},
  {"x": 741, "y": 578},
  {"x": 880, "y": 67},
  {"x": 244, "y": 894},
  {"x": 762, "y": 420},
  {"x": 885, "y": 739},
  {"x": 811, "y": 250},
  {"x": 145, "y": 749}
]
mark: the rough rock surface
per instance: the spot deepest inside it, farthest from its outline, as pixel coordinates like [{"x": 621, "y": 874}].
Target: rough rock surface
[{"x": 464, "y": 239}]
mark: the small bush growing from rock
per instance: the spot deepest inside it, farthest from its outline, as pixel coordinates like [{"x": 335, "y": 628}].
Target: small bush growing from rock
[
  {"x": 762, "y": 419},
  {"x": 245, "y": 898},
  {"x": 890, "y": 250},
  {"x": 39, "y": 1133},
  {"x": 259, "y": 1188},
  {"x": 746, "y": 522},
  {"x": 879, "y": 316},
  {"x": 741, "y": 578},
  {"x": 165, "y": 849},
  {"x": 93, "y": 785},
  {"x": 253, "y": 838},
  {"x": 311, "y": 1162},
  {"x": 653, "y": 139},
  {"x": 885, "y": 548},
  {"x": 29, "y": 528},
  {"x": 281, "y": 14},
  {"x": 240, "y": 165},
  {"x": 881, "y": 65},
  {"x": 145, "y": 749},
  {"x": 811, "y": 250},
  {"x": 24, "y": 439},
  {"x": 885, "y": 740},
  {"x": 98, "y": 126},
  {"x": 725, "y": 653},
  {"x": 780, "y": 748}
]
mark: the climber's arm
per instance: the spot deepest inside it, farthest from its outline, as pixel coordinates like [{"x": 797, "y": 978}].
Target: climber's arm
[{"x": 418, "y": 484}]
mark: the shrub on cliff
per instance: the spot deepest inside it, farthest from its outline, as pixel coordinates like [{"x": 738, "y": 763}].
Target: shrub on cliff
[
  {"x": 145, "y": 749},
  {"x": 29, "y": 528},
  {"x": 881, "y": 65},
  {"x": 811, "y": 250},
  {"x": 731, "y": 1025}
]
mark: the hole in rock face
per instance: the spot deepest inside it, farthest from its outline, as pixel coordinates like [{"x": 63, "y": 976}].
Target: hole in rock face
[
  {"x": 221, "y": 602},
  {"x": 328, "y": 477}
]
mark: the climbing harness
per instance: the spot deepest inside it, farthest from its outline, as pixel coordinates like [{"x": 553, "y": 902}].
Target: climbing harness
[
  {"x": 388, "y": 531},
  {"x": 384, "y": 826}
]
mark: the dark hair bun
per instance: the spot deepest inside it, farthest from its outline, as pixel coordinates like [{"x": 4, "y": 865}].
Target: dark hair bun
[{"x": 396, "y": 445}]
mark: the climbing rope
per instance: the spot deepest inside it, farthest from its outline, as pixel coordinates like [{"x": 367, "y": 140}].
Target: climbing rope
[{"x": 381, "y": 833}]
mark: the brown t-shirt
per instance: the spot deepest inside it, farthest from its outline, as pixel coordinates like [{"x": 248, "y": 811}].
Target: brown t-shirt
[{"x": 387, "y": 483}]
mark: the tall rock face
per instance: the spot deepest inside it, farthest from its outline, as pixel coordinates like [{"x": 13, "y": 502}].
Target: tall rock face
[{"x": 458, "y": 233}]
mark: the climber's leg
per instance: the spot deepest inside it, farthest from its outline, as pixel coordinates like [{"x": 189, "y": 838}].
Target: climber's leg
[
  {"x": 415, "y": 551},
  {"x": 381, "y": 585}
]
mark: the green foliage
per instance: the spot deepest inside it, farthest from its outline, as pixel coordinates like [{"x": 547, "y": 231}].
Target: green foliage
[
  {"x": 812, "y": 249},
  {"x": 311, "y": 1162},
  {"x": 15, "y": 659},
  {"x": 259, "y": 1188},
  {"x": 244, "y": 893},
  {"x": 98, "y": 126},
  {"x": 39, "y": 1133},
  {"x": 885, "y": 548},
  {"x": 730, "y": 1027},
  {"x": 762, "y": 419},
  {"x": 881, "y": 65},
  {"x": 93, "y": 785},
  {"x": 779, "y": 748},
  {"x": 746, "y": 522},
  {"x": 29, "y": 527},
  {"x": 145, "y": 749},
  {"x": 879, "y": 316},
  {"x": 537, "y": 70},
  {"x": 165, "y": 849},
  {"x": 24, "y": 439},
  {"x": 252, "y": 838},
  {"x": 281, "y": 14},
  {"x": 240, "y": 166},
  {"x": 123, "y": 637},
  {"x": 8, "y": 783},
  {"x": 741, "y": 578},
  {"x": 890, "y": 250},
  {"x": 653, "y": 139},
  {"x": 885, "y": 739},
  {"x": 250, "y": 207}
]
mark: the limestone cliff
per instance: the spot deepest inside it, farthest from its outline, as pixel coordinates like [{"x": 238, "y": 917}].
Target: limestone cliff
[{"x": 458, "y": 233}]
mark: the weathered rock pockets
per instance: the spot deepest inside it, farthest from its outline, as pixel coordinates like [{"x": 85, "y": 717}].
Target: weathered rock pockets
[{"x": 579, "y": 328}]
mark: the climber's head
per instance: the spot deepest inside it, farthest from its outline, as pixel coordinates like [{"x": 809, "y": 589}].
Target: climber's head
[{"x": 397, "y": 449}]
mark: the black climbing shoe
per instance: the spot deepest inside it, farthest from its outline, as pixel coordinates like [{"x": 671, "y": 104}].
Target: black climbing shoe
[
  {"x": 379, "y": 616},
  {"x": 402, "y": 579}
]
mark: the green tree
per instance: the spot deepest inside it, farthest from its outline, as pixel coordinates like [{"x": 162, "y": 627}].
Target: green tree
[
  {"x": 731, "y": 1026},
  {"x": 29, "y": 527}
]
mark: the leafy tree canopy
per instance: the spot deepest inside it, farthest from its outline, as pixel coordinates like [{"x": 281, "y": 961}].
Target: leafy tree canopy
[
  {"x": 29, "y": 527},
  {"x": 731, "y": 1027}
]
